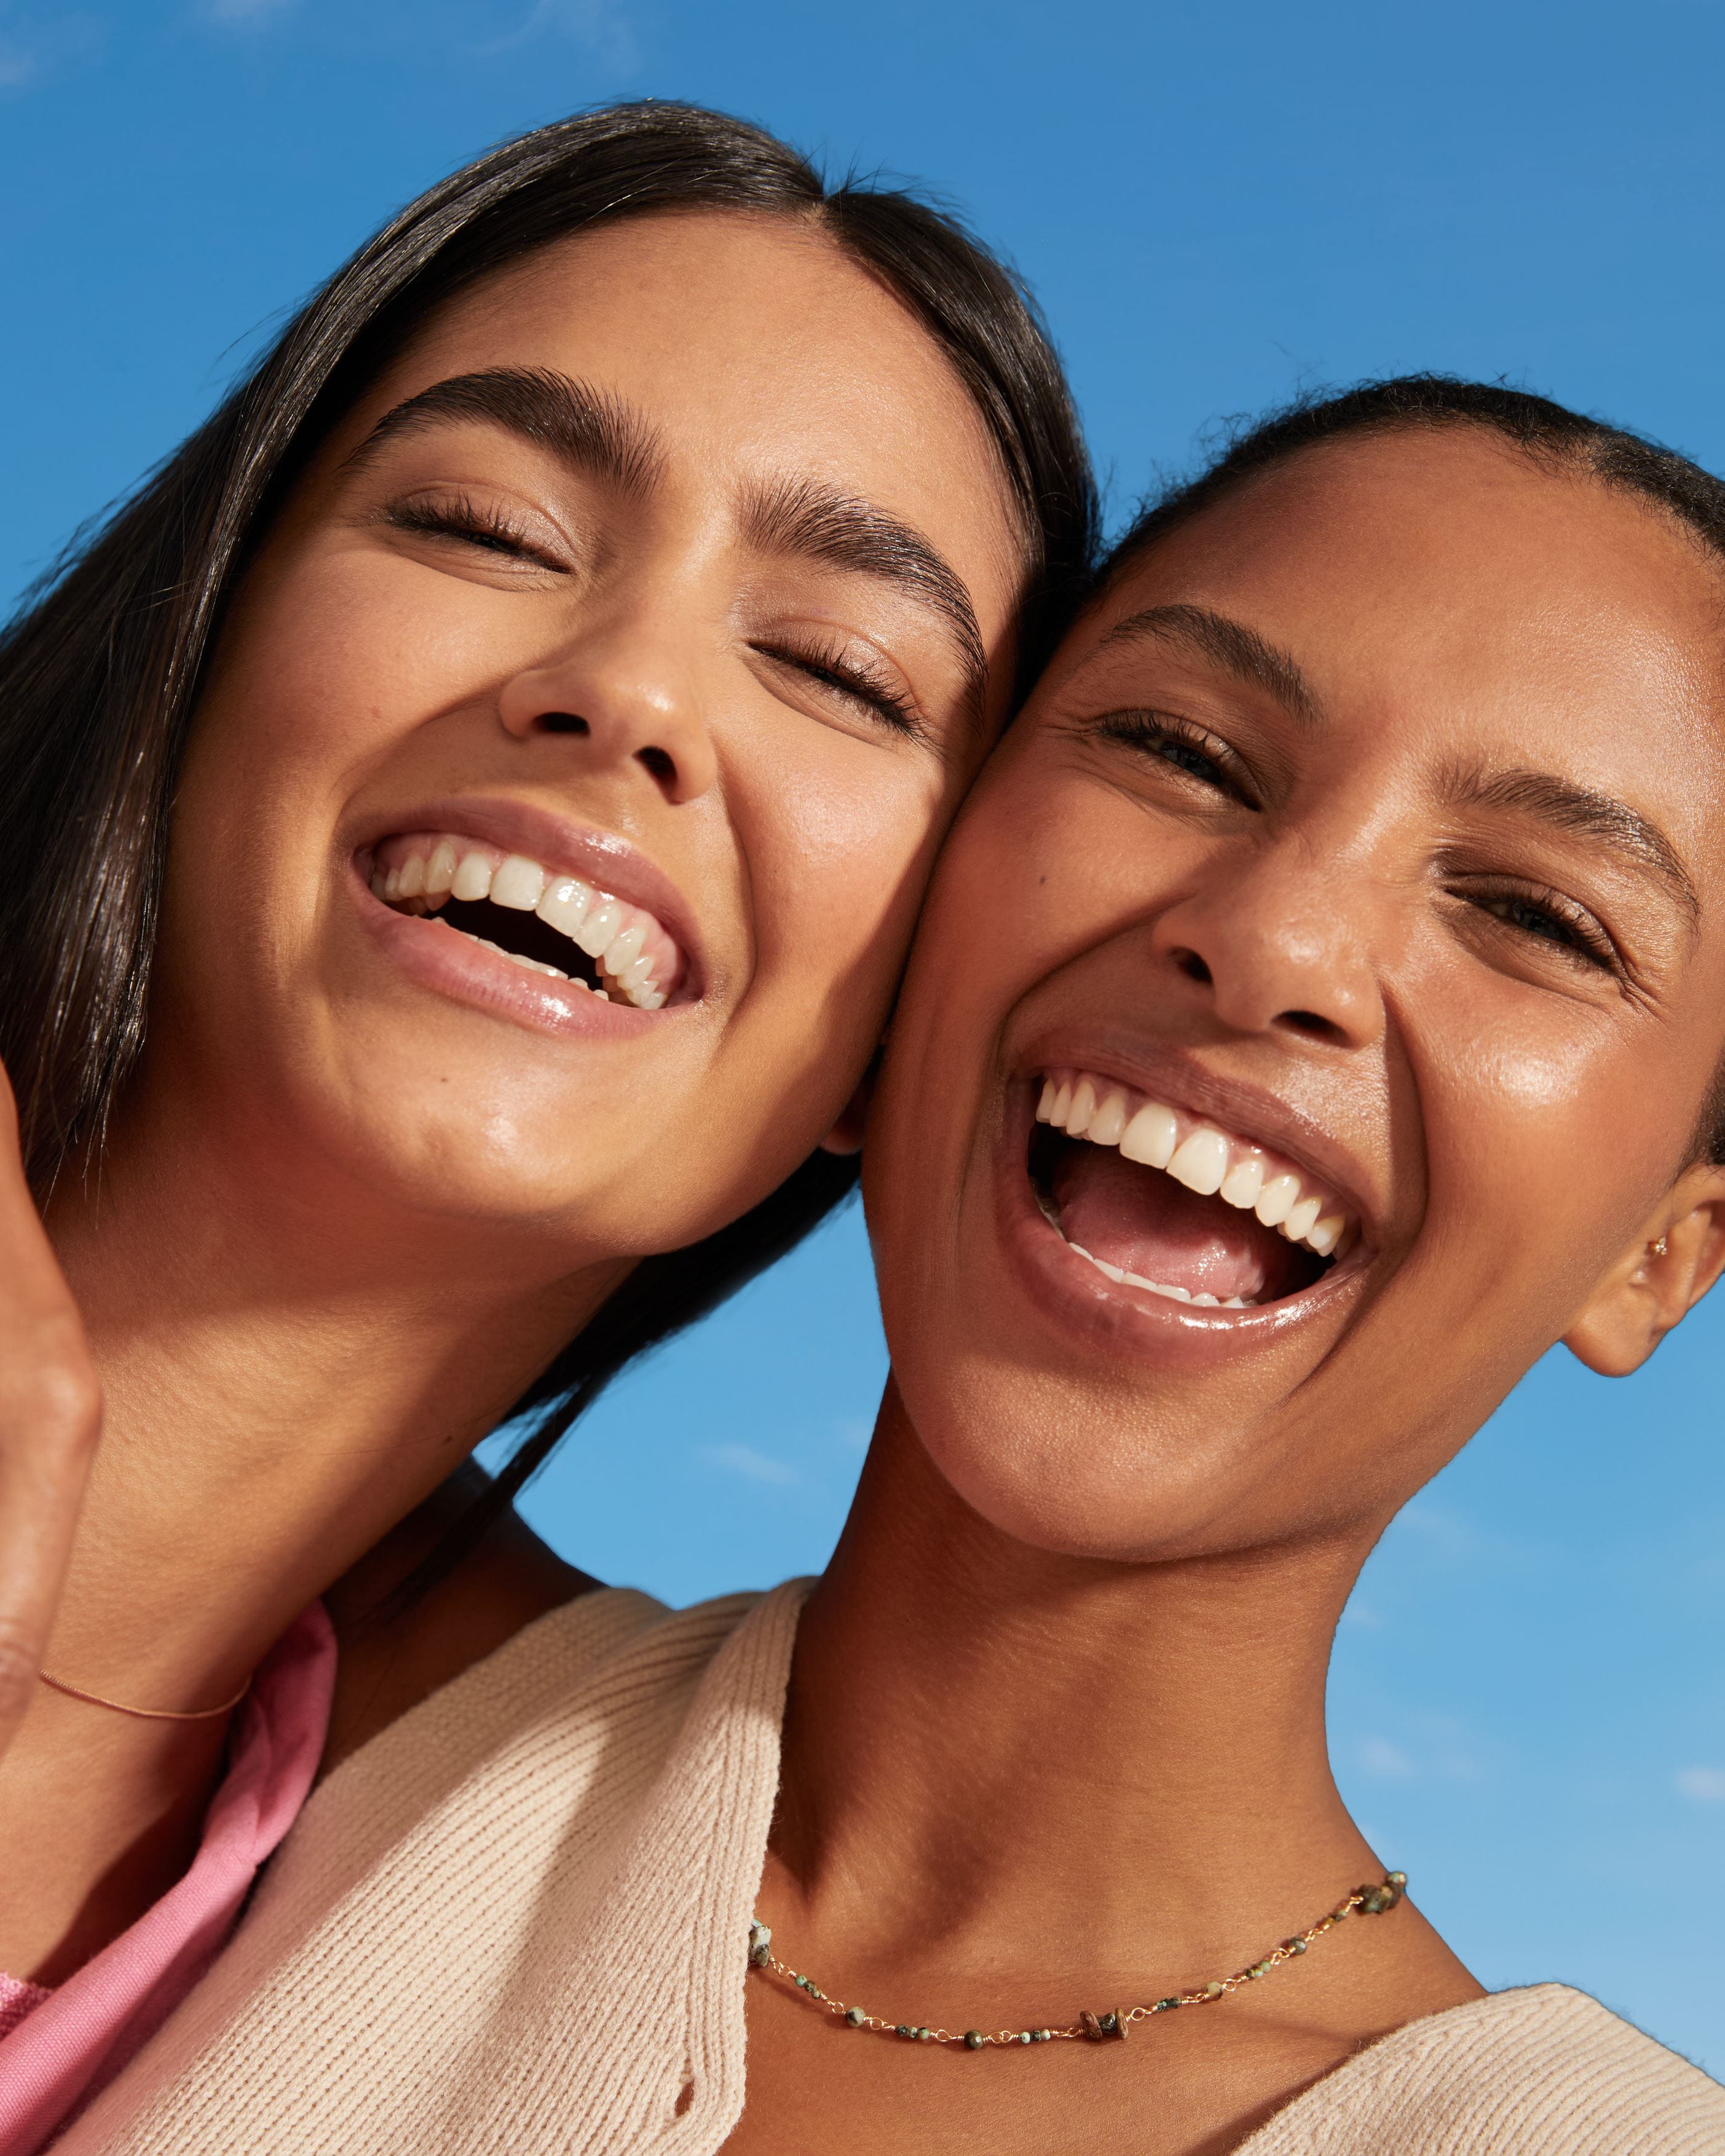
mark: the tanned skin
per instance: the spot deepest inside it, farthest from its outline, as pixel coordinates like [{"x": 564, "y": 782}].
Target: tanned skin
[
  {"x": 1056, "y": 1734},
  {"x": 343, "y": 1218}
]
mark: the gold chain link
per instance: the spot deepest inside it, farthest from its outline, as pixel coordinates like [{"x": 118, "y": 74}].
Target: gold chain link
[{"x": 1370, "y": 1901}]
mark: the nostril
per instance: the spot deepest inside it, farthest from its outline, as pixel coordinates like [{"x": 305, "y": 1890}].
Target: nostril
[
  {"x": 1192, "y": 966},
  {"x": 658, "y": 761},
  {"x": 1304, "y": 1021},
  {"x": 563, "y": 722}
]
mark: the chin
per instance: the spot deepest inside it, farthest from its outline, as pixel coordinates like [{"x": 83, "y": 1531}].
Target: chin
[{"x": 1075, "y": 1474}]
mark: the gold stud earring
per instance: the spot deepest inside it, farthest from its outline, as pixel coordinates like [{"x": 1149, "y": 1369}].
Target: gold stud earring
[{"x": 1658, "y": 1249}]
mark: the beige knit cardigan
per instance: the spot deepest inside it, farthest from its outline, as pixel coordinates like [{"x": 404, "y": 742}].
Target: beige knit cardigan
[{"x": 517, "y": 1922}]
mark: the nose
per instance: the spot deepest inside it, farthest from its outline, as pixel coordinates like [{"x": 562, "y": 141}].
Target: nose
[
  {"x": 1280, "y": 942},
  {"x": 630, "y": 689}
]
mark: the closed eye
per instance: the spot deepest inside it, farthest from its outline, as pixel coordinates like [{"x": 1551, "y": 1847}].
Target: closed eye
[
  {"x": 840, "y": 668},
  {"x": 458, "y": 517}
]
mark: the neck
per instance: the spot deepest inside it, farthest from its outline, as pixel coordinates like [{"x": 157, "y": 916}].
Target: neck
[
  {"x": 1018, "y": 1760},
  {"x": 287, "y": 1368}
]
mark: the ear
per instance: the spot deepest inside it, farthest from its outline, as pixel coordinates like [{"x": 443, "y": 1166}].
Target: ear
[
  {"x": 1660, "y": 1278},
  {"x": 846, "y": 1134}
]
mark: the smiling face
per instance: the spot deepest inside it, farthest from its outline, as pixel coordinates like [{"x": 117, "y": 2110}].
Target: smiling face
[
  {"x": 567, "y": 782},
  {"x": 1315, "y": 1006}
]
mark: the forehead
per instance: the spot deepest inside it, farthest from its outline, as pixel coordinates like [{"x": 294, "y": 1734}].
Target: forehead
[
  {"x": 747, "y": 340},
  {"x": 1442, "y": 593}
]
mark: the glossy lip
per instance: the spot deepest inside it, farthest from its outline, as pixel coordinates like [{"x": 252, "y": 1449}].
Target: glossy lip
[
  {"x": 1238, "y": 1108},
  {"x": 568, "y": 848},
  {"x": 1058, "y": 1282},
  {"x": 453, "y": 965}
]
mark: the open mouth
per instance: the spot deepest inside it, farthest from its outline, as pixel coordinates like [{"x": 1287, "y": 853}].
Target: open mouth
[
  {"x": 1158, "y": 1199},
  {"x": 541, "y": 919}
]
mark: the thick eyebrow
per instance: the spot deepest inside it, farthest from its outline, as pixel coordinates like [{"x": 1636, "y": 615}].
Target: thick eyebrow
[
  {"x": 804, "y": 516},
  {"x": 585, "y": 426},
  {"x": 1579, "y": 810},
  {"x": 1230, "y": 645}
]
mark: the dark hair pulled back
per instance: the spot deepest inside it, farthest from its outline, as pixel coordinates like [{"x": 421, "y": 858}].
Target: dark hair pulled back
[
  {"x": 99, "y": 672},
  {"x": 1563, "y": 442}
]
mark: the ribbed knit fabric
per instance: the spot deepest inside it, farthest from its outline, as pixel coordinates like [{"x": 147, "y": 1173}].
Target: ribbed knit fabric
[{"x": 517, "y": 1922}]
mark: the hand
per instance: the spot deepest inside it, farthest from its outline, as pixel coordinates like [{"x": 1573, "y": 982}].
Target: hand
[{"x": 50, "y": 1418}]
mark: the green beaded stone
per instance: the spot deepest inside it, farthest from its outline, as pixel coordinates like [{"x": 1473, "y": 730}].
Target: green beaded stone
[
  {"x": 1026, "y": 2037},
  {"x": 759, "y": 1956},
  {"x": 904, "y": 2029},
  {"x": 855, "y": 2016},
  {"x": 1110, "y": 2023},
  {"x": 1044, "y": 2035},
  {"x": 925, "y": 2035},
  {"x": 1296, "y": 1945},
  {"x": 972, "y": 2040},
  {"x": 1214, "y": 1990},
  {"x": 1397, "y": 1878},
  {"x": 1164, "y": 2006}
]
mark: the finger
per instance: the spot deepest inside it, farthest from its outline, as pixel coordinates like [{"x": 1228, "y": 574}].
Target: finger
[{"x": 50, "y": 1419}]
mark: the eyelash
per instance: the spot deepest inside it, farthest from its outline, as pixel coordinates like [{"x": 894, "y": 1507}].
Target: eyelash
[
  {"x": 837, "y": 666},
  {"x": 1582, "y": 936},
  {"x": 460, "y": 517},
  {"x": 1155, "y": 732}
]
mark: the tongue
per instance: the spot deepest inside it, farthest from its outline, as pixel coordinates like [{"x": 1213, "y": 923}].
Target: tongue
[{"x": 1144, "y": 1222}]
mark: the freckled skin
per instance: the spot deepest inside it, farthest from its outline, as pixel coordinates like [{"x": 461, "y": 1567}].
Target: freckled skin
[
  {"x": 368, "y": 669},
  {"x": 342, "y": 1220},
  {"x": 1055, "y": 1731}
]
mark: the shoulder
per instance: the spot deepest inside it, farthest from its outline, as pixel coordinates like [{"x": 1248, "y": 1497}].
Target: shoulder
[
  {"x": 397, "y": 1645},
  {"x": 1543, "y": 2070}
]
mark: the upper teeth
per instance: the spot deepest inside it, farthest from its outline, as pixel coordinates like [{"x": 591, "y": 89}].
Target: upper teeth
[
  {"x": 1204, "y": 1158},
  {"x": 630, "y": 946}
]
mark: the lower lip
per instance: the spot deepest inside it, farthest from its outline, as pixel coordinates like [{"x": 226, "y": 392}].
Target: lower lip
[
  {"x": 1062, "y": 1286},
  {"x": 452, "y": 964}
]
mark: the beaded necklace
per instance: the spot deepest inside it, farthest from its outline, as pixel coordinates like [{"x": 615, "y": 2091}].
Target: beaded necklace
[{"x": 1369, "y": 1901}]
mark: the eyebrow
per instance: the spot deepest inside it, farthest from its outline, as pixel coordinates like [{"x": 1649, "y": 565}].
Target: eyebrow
[
  {"x": 804, "y": 517},
  {"x": 1578, "y": 810},
  {"x": 587, "y": 428},
  {"x": 1230, "y": 645}
]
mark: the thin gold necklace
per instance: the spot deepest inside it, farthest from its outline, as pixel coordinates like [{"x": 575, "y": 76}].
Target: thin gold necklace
[
  {"x": 1369, "y": 1901},
  {"x": 145, "y": 1713}
]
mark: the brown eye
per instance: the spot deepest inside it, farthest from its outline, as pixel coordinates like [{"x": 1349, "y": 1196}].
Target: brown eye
[
  {"x": 1546, "y": 917},
  {"x": 1187, "y": 748}
]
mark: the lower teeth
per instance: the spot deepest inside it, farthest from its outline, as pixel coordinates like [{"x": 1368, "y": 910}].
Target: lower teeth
[
  {"x": 1120, "y": 1277},
  {"x": 532, "y": 965}
]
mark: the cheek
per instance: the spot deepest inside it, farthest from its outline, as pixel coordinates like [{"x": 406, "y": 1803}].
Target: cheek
[
  {"x": 839, "y": 839},
  {"x": 1543, "y": 1161},
  {"x": 339, "y": 662}
]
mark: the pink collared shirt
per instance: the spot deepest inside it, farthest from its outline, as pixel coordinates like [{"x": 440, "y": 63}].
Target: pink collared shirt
[{"x": 58, "y": 2047}]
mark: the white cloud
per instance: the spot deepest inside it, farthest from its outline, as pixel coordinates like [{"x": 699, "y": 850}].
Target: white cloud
[
  {"x": 33, "y": 47},
  {"x": 744, "y": 1460},
  {"x": 600, "y": 25},
  {"x": 1378, "y": 1756},
  {"x": 1705, "y": 1785}
]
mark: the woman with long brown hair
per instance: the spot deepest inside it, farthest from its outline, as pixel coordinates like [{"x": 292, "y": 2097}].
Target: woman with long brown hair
[{"x": 462, "y": 825}]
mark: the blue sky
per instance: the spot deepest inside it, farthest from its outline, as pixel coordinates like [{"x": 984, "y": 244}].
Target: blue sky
[{"x": 1217, "y": 206}]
